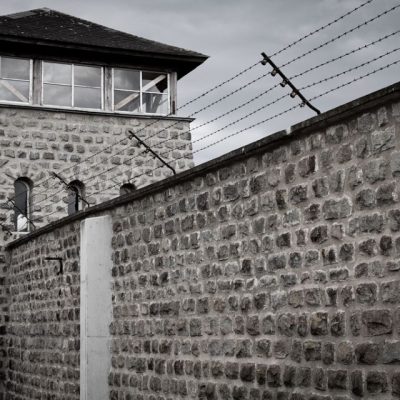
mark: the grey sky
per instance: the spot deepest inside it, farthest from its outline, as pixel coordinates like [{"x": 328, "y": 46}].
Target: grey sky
[{"x": 234, "y": 33}]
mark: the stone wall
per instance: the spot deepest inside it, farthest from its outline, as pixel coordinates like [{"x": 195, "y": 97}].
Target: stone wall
[
  {"x": 4, "y": 296},
  {"x": 43, "y": 332},
  {"x": 35, "y": 142},
  {"x": 271, "y": 273}
]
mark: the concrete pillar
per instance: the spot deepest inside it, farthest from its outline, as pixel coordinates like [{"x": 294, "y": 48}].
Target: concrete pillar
[{"x": 96, "y": 307}]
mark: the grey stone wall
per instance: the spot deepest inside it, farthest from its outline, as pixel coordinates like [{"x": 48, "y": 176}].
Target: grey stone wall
[
  {"x": 272, "y": 275},
  {"x": 35, "y": 142},
  {"x": 4, "y": 296},
  {"x": 43, "y": 332},
  {"x": 275, "y": 277}
]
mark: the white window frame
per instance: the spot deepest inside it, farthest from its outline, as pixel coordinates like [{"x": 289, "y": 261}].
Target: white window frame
[
  {"x": 72, "y": 107},
  {"x": 20, "y": 80},
  {"x": 107, "y": 83},
  {"x": 140, "y": 92}
]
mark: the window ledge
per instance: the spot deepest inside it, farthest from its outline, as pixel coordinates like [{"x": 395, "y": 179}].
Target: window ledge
[{"x": 95, "y": 112}]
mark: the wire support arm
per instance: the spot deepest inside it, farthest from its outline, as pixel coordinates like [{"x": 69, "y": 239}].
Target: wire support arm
[
  {"x": 286, "y": 81},
  {"x": 68, "y": 186},
  {"x": 14, "y": 204},
  {"x": 150, "y": 150}
]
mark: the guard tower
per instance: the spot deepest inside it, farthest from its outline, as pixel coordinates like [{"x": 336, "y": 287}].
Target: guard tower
[{"x": 70, "y": 91}]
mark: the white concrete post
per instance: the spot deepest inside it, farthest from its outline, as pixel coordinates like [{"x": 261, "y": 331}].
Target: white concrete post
[{"x": 96, "y": 307}]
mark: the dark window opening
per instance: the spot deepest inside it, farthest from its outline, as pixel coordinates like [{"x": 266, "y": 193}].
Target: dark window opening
[
  {"x": 75, "y": 195},
  {"x": 127, "y": 188},
  {"x": 22, "y": 189}
]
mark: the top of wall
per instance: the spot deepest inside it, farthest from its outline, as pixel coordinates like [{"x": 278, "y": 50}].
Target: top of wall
[
  {"x": 52, "y": 34},
  {"x": 358, "y": 106}
]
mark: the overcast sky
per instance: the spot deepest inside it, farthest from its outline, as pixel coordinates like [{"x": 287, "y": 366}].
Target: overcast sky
[{"x": 233, "y": 33}]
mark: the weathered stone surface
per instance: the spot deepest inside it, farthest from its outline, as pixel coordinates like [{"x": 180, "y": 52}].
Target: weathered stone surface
[
  {"x": 337, "y": 209},
  {"x": 270, "y": 276},
  {"x": 377, "y": 322}
]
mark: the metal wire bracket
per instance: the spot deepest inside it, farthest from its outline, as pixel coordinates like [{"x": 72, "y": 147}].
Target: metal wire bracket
[
  {"x": 14, "y": 204},
  {"x": 149, "y": 150},
  {"x": 67, "y": 186},
  {"x": 286, "y": 81}
]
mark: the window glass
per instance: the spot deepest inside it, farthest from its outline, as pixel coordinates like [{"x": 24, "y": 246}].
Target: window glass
[
  {"x": 21, "y": 209},
  {"x": 155, "y": 103},
  {"x": 14, "y": 90},
  {"x": 57, "y": 95},
  {"x": 57, "y": 73},
  {"x": 154, "y": 82},
  {"x": 73, "y": 200},
  {"x": 127, "y": 188},
  {"x": 148, "y": 96},
  {"x": 15, "y": 77},
  {"x": 87, "y": 76},
  {"x": 14, "y": 68},
  {"x": 85, "y": 97},
  {"x": 126, "y": 101},
  {"x": 126, "y": 79}
]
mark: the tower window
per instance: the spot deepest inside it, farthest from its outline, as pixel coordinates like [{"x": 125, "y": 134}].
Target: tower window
[
  {"x": 75, "y": 195},
  {"x": 22, "y": 194},
  {"x": 127, "y": 188},
  {"x": 140, "y": 91},
  {"x": 15, "y": 80},
  {"x": 69, "y": 85}
]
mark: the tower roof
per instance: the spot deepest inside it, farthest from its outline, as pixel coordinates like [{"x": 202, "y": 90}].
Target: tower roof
[{"x": 44, "y": 28}]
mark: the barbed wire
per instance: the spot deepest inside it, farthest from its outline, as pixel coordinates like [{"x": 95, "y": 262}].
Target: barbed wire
[
  {"x": 363, "y": 47},
  {"x": 289, "y": 62},
  {"x": 235, "y": 122},
  {"x": 245, "y": 70},
  {"x": 252, "y": 125},
  {"x": 322, "y": 28},
  {"x": 250, "y": 67},
  {"x": 254, "y": 98},
  {"x": 359, "y": 26}
]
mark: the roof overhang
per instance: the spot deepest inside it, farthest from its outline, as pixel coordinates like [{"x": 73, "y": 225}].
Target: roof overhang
[{"x": 87, "y": 54}]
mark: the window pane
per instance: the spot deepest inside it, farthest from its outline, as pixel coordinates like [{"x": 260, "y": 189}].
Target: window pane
[
  {"x": 73, "y": 200},
  {"x": 154, "y": 82},
  {"x": 126, "y": 101},
  {"x": 87, "y": 98},
  {"x": 15, "y": 68},
  {"x": 155, "y": 103},
  {"x": 126, "y": 79},
  {"x": 57, "y": 73},
  {"x": 21, "y": 206},
  {"x": 14, "y": 91},
  {"x": 55, "y": 95},
  {"x": 127, "y": 188},
  {"x": 87, "y": 76}
]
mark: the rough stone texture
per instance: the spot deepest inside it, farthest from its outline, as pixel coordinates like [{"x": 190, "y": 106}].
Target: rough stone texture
[
  {"x": 43, "y": 332},
  {"x": 34, "y": 143},
  {"x": 229, "y": 285}
]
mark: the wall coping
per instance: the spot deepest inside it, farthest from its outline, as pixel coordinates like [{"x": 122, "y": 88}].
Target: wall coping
[{"x": 270, "y": 142}]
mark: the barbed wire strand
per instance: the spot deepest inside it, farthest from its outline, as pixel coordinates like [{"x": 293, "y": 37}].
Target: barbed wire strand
[
  {"x": 221, "y": 84},
  {"x": 272, "y": 117},
  {"x": 248, "y": 127},
  {"x": 235, "y": 122},
  {"x": 322, "y": 28},
  {"x": 359, "y": 26},
  {"x": 266, "y": 91},
  {"x": 293, "y": 60}
]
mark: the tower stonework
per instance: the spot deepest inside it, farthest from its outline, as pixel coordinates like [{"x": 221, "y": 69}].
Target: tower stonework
[{"x": 71, "y": 93}]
